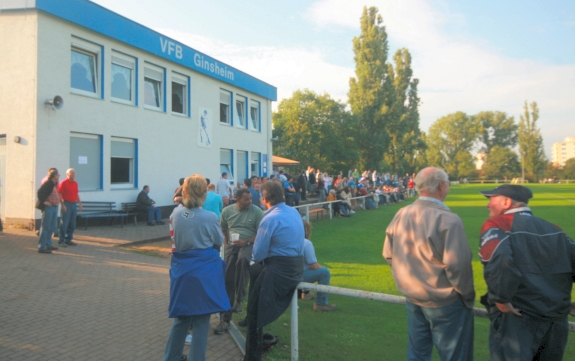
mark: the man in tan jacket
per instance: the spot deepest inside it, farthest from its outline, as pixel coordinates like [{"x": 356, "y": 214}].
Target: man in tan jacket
[{"x": 430, "y": 259}]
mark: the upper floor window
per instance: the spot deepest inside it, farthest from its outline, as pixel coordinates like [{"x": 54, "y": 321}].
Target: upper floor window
[
  {"x": 123, "y": 79},
  {"x": 153, "y": 87},
  {"x": 241, "y": 112},
  {"x": 254, "y": 115},
  {"x": 180, "y": 94},
  {"x": 225, "y": 102},
  {"x": 85, "y": 68}
]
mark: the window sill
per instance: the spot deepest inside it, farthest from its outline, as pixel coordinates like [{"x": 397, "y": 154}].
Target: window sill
[
  {"x": 148, "y": 107},
  {"x": 123, "y": 102},
  {"x": 85, "y": 94},
  {"x": 181, "y": 115}
]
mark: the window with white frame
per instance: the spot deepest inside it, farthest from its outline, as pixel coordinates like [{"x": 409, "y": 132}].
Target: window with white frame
[
  {"x": 86, "y": 159},
  {"x": 225, "y": 102},
  {"x": 85, "y": 68},
  {"x": 153, "y": 87},
  {"x": 226, "y": 164},
  {"x": 123, "y": 78},
  {"x": 240, "y": 111},
  {"x": 123, "y": 162},
  {"x": 254, "y": 115},
  {"x": 255, "y": 164},
  {"x": 180, "y": 94}
]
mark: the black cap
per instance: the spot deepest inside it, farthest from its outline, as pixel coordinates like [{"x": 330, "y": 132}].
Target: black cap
[{"x": 516, "y": 192}]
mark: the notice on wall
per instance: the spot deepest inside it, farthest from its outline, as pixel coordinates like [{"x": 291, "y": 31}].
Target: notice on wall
[
  {"x": 82, "y": 159},
  {"x": 205, "y": 128}
]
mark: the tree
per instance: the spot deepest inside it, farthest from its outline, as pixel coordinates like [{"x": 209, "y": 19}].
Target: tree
[
  {"x": 569, "y": 169},
  {"x": 496, "y": 129},
  {"x": 531, "y": 142},
  {"x": 315, "y": 130},
  {"x": 449, "y": 143},
  {"x": 371, "y": 93},
  {"x": 404, "y": 134},
  {"x": 501, "y": 162}
]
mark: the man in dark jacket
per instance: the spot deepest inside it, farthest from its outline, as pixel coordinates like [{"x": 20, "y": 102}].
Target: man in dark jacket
[
  {"x": 145, "y": 203},
  {"x": 302, "y": 181},
  {"x": 529, "y": 266}
]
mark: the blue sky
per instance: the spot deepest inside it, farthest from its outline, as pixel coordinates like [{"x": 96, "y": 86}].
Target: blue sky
[{"x": 469, "y": 56}]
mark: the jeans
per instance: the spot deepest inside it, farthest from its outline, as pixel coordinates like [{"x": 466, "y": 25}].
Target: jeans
[
  {"x": 154, "y": 211},
  {"x": 289, "y": 199},
  {"x": 179, "y": 332},
  {"x": 68, "y": 222},
  {"x": 321, "y": 276},
  {"x": 523, "y": 338},
  {"x": 47, "y": 227},
  {"x": 449, "y": 328}
]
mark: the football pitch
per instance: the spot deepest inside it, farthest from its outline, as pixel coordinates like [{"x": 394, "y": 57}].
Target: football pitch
[{"x": 351, "y": 248}]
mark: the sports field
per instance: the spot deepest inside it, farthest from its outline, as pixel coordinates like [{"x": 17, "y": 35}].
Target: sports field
[{"x": 351, "y": 248}]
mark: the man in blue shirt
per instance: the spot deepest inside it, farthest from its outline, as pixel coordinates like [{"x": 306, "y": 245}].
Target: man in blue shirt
[
  {"x": 213, "y": 202},
  {"x": 278, "y": 254},
  {"x": 255, "y": 195}
]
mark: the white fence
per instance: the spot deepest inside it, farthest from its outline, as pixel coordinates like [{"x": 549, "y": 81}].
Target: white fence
[{"x": 479, "y": 312}]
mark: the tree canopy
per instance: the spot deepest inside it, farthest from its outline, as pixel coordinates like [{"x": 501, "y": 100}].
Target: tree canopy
[
  {"x": 531, "y": 142},
  {"x": 315, "y": 130},
  {"x": 496, "y": 129}
]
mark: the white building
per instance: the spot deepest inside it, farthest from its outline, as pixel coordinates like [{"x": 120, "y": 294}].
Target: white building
[
  {"x": 138, "y": 108},
  {"x": 562, "y": 151}
]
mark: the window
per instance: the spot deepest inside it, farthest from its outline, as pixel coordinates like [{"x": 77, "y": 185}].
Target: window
[
  {"x": 123, "y": 78},
  {"x": 86, "y": 159},
  {"x": 225, "y": 101},
  {"x": 254, "y": 115},
  {"x": 123, "y": 162},
  {"x": 255, "y": 164},
  {"x": 226, "y": 164},
  {"x": 153, "y": 87},
  {"x": 85, "y": 68},
  {"x": 241, "y": 112},
  {"x": 180, "y": 94},
  {"x": 242, "y": 171}
]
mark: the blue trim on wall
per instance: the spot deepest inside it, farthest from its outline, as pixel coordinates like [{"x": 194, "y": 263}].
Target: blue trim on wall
[
  {"x": 232, "y": 108},
  {"x": 189, "y": 97},
  {"x": 103, "y": 21},
  {"x": 136, "y": 82},
  {"x": 264, "y": 168},
  {"x": 136, "y": 164},
  {"x": 102, "y": 77},
  {"x": 101, "y": 162},
  {"x": 165, "y": 93}
]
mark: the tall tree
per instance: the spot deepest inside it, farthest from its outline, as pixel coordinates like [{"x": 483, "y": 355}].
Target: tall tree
[
  {"x": 531, "y": 142},
  {"x": 371, "y": 93},
  {"x": 449, "y": 143},
  {"x": 496, "y": 129},
  {"x": 315, "y": 130},
  {"x": 569, "y": 169},
  {"x": 403, "y": 128}
]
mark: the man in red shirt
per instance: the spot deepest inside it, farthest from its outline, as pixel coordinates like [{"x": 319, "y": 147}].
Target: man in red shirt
[{"x": 68, "y": 190}]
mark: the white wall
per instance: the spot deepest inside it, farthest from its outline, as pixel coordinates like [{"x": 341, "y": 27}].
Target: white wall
[{"x": 167, "y": 144}]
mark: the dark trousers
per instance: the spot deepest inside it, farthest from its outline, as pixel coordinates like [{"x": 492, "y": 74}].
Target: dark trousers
[
  {"x": 523, "y": 338},
  {"x": 254, "y": 335},
  {"x": 303, "y": 195},
  {"x": 289, "y": 199},
  {"x": 236, "y": 275}
]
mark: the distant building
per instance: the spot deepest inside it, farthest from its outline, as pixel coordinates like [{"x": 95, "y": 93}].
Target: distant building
[
  {"x": 480, "y": 160},
  {"x": 562, "y": 151},
  {"x": 83, "y": 87}
]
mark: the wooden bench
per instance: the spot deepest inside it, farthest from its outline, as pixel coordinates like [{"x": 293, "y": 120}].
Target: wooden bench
[
  {"x": 130, "y": 209},
  {"x": 91, "y": 210},
  {"x": 317, "y": 211}
]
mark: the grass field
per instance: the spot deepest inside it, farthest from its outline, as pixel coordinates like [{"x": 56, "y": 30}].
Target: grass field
[{"x": 351, "y": 248}]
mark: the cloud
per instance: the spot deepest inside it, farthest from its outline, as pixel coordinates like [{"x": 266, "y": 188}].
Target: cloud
[{"x": 288, "y": 69}]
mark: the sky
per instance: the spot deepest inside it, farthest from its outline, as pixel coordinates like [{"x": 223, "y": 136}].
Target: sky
[{"x": 469, "y": 56}]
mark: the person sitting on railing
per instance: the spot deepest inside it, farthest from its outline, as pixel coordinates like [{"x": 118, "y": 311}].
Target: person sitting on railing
[
  {"x": 336, "y": 206},
  {"x": 346, "y": 201},
  {"x": 369, "y": 202},
  {"x": 313, "y": 272},
  {"x": 382, "y": 196}
]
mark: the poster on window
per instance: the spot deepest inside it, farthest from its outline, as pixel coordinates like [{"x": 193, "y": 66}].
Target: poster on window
[{"x": 205, "y": 128}]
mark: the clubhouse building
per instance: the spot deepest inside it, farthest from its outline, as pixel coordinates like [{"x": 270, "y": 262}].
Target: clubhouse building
[{"x": 83, "y": 87}]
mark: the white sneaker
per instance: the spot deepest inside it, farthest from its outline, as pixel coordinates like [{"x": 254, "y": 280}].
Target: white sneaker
[{"x": 189, "y": 339}]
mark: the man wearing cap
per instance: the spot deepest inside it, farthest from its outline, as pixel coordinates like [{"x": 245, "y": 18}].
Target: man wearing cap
[
  {"x": 430, "y": 259},
  {"x": 529, "y": 267}
]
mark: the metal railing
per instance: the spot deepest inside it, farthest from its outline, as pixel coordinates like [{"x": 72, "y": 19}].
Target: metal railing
[
  {"x": 382, "y": 297},
  {"x": 307, "y": 206}
]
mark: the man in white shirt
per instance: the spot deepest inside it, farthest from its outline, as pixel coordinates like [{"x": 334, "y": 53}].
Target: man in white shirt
[{"x": 224, "y": 188}]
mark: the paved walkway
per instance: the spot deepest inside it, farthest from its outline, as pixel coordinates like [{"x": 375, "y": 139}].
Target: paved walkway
[{"x": 90, "y": 302}]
